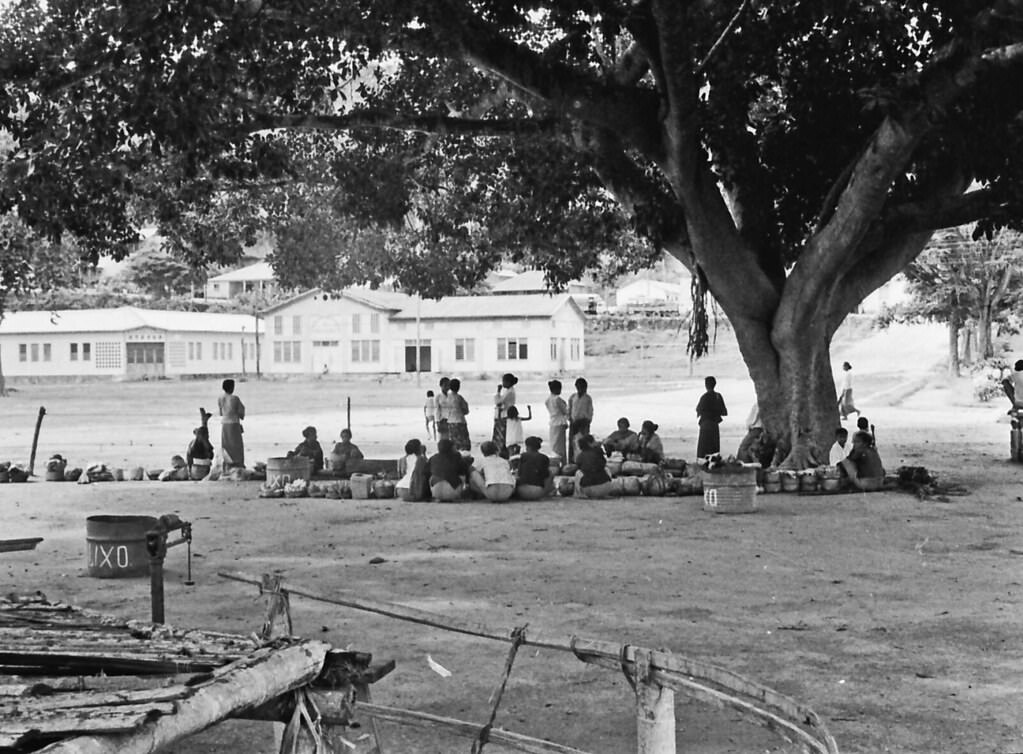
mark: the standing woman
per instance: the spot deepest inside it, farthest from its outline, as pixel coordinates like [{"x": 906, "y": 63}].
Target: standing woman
[
  {"x": 503, "y": 400},
  {"x": 580, "y": 414},
  {"x": 457, "y": 407},
  {"x": 845, "y": 397},
  {"x": 232, "y": 411},
  {"x": 558, "y": 409},
  {"x": 710, "y": 410}
]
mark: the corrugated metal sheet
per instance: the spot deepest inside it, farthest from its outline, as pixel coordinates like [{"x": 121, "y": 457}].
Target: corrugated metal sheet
[{"x": 254, "y": 272}]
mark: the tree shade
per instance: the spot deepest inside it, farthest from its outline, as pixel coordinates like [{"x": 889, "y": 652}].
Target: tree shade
[{"x": 794, "y": 155}]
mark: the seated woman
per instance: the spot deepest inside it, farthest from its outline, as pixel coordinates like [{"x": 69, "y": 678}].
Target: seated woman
[
  {"x": 648, "y": 445},
  {"x": 309, "y": 448},
  {"x": 344, "y": 453},
  {"x": 199, "y": 456},
  {"x": 591, "y": 480},
  {"x": 414, "y": 484},
  {"x": 863, "y": 465},
  {"x": 535, "y": 480},
  {"x": 447, "y": 468},
  {"x": 493, "y": 478},
  {"x": 622, "y": 440}
]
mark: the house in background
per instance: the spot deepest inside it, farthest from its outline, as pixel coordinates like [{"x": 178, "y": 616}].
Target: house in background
[
  {"x": 256, "y": 278},
  {"x": 126, "y": 343},
  {"x": 532, "y": 281},
  {"x": 647, "y": 294},
  {"x": 361, "y": 331}
]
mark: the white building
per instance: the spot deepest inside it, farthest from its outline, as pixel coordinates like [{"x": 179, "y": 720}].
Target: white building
[
  {"x": 256, "y": 278},
  {"x": 652, "y": 293},
  {"x": 126, "y": 343},
  {"x": 365, "y": 331}
]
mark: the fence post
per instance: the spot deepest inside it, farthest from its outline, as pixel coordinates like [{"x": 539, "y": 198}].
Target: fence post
[{"x": 655, "y": 710}]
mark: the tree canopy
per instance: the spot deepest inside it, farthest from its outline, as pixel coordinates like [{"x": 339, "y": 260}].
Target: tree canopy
[{"x": 793, "y": 154}]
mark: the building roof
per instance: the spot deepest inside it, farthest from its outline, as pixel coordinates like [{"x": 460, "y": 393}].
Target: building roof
[
  {"x": 532, "y": 281},
  {"x": 489, "y": 307},
  {"x": 122, "y": 319},
  {"x": 254, "y": 272},
  {"x": 403, "y": 307},
  {"x": 653, "y": 285}
]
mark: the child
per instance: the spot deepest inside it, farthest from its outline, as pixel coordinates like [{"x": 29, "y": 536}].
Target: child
[
  {"x": 839, "y": 451},
  {"x": 430, "y": 414},
  {"x": 863, "y": 425},
  {"x": 558, "y": 409},
  {"x": 710, "y": 410},
  {"x": 513, "y": 429},
  {"x": 310, "y": 448}
]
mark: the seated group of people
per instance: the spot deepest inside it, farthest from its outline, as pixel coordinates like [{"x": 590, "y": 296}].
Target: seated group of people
[
  {"x": 448, "y": 475},
  {"x": 340, "y": 458},
  {"x": 643, "y": 446},
  {"x": 861, "y": 464}
]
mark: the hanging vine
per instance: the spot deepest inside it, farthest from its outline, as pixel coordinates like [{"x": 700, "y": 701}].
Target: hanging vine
[{"x": 699, "y": 323}]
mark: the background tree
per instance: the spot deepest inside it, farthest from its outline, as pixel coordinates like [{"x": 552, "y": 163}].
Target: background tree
[
  {"x": 793, "y": 154},
  {"x": 967, "y": 282},
  {"x": 16, "y": 273}
]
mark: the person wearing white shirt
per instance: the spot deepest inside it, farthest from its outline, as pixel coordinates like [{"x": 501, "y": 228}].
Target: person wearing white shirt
[{"x": 839, "y": 450}]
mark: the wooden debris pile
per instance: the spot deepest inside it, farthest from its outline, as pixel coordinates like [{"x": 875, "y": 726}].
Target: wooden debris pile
[{"x": 68, "y": 673}]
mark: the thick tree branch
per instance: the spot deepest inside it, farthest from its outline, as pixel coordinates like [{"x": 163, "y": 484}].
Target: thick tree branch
[
  {"x": 886, "y": 158},
  {"x": 629, "y": 111},
  {"x": 431, "y": 123},
  {"x": 945, "y": 213}
]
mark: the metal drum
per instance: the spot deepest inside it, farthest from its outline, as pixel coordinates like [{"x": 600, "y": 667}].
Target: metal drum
[{"x": 117, "y": 545}]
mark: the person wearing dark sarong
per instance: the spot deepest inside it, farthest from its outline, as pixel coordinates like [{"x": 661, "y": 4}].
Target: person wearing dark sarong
[
  {"x": 503, "y": 400},
  {"x": 710, "y": 410},
  {"x": 232, "y": 412},
  {"x": 457, "y": 407}
]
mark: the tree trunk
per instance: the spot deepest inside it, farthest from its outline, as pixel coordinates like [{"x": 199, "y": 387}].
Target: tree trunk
[
  {"x": 985, "y": 349},
  {"x": 3, "y": 380},
  {"x": 953, "y": 347},
  {"x": 791, "y": 370},
  {"x": 968, "y": 343}
]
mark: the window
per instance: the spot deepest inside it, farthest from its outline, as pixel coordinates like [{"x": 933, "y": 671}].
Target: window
[
  {"x": 47, "y": 352},
  {"x": 374, "y": 323},
  {"x": 510, "y": 349},
  {"x": 365, "y": 350},
  {"x": 554, "y": 349},
  {"x": 191, "y": 351},
  {"x": 230, "y": 350},
  {"x": 216, "y": 351},
  {"x": 278, "y": 325},
  {"x": 576, "y": 348},
  {"x": 355, "y": 324},
  {"x": 296, "y": 325},
  {"x": 22, "y": 352},
  {"x": 465, "y": 349},
  {"x": 198, "y": 351},
  {"x": 35, "y": 351},
  {"x": 326, "y": 343},
  {"x": 74, "y": 352},
  {"x": 287, "y": 351},
  {"x": 86, "y": 351}
]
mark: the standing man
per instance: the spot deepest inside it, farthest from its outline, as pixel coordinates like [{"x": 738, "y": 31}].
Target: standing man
[
  {"x": 580, "y": 414},
  {"x": 232, "y": 411},
  {"x": 710, "y": 410}
]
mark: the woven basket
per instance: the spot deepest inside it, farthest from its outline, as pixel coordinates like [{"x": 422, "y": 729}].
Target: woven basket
[{"x": 730, "y": 492}]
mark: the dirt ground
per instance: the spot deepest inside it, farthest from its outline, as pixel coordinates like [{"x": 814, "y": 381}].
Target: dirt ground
[{"x": 896, "y": 619}]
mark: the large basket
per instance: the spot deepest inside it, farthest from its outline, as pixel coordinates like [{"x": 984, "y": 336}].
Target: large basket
[{"x": 732, "y": 491}]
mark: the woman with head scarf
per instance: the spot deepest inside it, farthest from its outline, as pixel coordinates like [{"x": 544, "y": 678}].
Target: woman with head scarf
[{"x": 648, "y": 444}]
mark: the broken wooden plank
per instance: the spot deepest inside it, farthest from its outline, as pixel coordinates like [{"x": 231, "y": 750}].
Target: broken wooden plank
[
  {"x": 252, "y": 681},
  {"x": 43, "y": 726},
  {"x": 14, "y": 545}
]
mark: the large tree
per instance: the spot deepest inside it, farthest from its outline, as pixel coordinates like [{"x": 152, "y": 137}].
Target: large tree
[{"x": 793, "y": 154}]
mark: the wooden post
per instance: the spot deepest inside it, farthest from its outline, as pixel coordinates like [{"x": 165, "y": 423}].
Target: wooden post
[
  {"x": 655, "y": 710},
  {"x": 35, "y": 442},
  {"x": 348, "y": 420}
]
